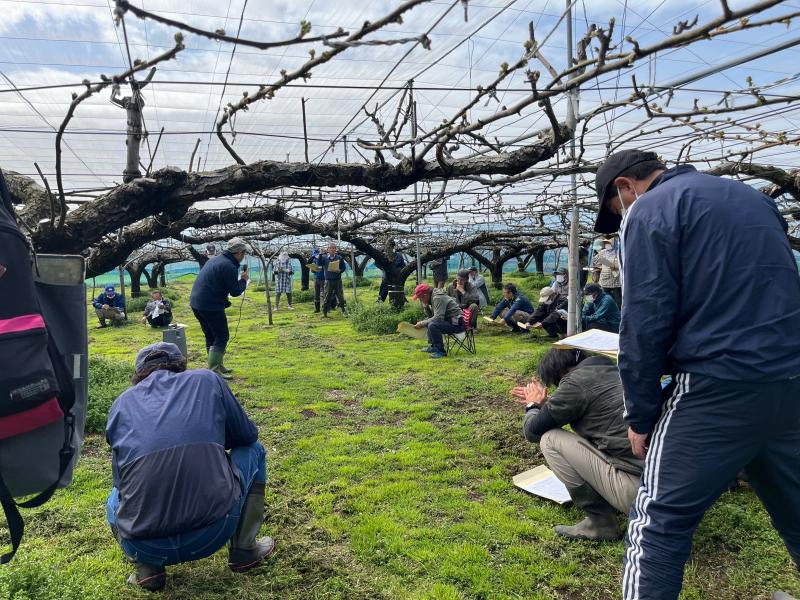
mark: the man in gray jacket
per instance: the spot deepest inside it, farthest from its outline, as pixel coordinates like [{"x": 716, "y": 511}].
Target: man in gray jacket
[
  {"x": 594, "y": 461},
  {"x": 444, "y": 316}
]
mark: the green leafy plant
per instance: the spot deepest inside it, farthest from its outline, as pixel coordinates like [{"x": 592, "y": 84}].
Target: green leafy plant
[
  {"x": 108, "y": 378},
  {"x": 383, "y": 318}
]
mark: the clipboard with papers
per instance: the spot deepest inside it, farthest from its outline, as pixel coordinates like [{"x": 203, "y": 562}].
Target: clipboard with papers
[
  {"x": 541, "y": 481},
  {"x": 594, "y": 340},
  {"x": 334, "y": 266}
]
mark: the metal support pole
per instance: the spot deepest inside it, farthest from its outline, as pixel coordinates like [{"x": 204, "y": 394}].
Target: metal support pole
[
  {"x": 574, "y": 263},
  {"x": 352, "y": 248},
  {"x": 413, "y": 107}
]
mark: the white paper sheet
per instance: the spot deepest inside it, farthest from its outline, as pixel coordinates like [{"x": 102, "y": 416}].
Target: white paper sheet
[
  {"x": 594, "y": 340},
  {"x": 540, "y": 481}
]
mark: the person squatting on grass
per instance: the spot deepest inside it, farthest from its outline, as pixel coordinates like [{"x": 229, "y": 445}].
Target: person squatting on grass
[
  {"x": 595, "y": 463},
  {"x": 600, "y": 310},
  {"x": 178, "y": 495},
  {"x": 282, "y": 270},
  {"x": 694, "y": 249},
  {"x": 158, "y": 311},
  {"x": 444, "y": 316},
  {"x": 513, "y": 307},
  {"x": 109, "y": 305},
  {"x": 549, "y": 315},
  {"x": 209, "y": 298}
]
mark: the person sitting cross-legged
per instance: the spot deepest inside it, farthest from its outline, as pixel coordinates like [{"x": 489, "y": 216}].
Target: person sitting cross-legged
[
  {"x": 549, "y": 314},
  {"x": 513, "y": 307},
  {"x": 594, "y": 460},
  {"x": 444, "y": 316},
  {"x": 188, "y": 470},
  {"x": 157, "y": 312},
  {"x": 601, "y": 312},
  {"x": 109, "y": 305}
]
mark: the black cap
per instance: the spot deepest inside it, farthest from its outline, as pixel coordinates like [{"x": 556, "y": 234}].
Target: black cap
[
  {"x": 607, "y": 221},
  {"x": 592, "y": 288}
]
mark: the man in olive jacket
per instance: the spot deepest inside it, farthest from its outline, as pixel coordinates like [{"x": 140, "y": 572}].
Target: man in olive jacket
[
  {"x": 594, "y": 461},
  {"x": 444, "y": 316}
]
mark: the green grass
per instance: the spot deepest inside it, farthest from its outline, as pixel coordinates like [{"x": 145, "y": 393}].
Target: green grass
[{"x": 389, "y": 477}]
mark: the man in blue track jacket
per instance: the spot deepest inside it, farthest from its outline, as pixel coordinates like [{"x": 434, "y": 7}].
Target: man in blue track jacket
[{"x": 695, "y": 253}]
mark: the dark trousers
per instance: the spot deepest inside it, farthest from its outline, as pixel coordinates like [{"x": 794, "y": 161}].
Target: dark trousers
[
  {"x": 319, "y": 286},
  {"x": 709, "y": 430},
  {"x": 334, "y": 294},
  {"x": 616, "y": 294},
  {"x": 161, "y": 320},
  {"x": 384, "y": 291},
  {"x": 436, "y": 329},
  {"x": 204, "y": 541},
  {"x": 214, "y": 324},
  {"x": 553, "y": 324}
]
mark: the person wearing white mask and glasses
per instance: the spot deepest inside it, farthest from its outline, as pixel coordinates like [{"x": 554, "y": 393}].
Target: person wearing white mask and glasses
[{"x": 560, "y": 283}]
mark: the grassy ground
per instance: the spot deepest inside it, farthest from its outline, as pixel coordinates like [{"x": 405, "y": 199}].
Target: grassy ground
[{"x": 389, "y": 477}]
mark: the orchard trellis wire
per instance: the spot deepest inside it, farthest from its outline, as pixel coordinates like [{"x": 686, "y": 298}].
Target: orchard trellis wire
[{"x": 440, "y": 124}]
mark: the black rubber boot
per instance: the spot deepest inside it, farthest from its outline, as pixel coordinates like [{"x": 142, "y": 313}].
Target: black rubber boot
[
  {"x": 148, "y": 577},
  {"x": 245, "y": 552},
  {"x": 316, "y": 307},
  {"x": 600, "y": 523}
]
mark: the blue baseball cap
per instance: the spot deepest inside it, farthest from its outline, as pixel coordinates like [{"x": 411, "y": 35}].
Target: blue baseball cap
[
  {"x": 110, "y": 289},
  {"x": 158, "y": 353}
]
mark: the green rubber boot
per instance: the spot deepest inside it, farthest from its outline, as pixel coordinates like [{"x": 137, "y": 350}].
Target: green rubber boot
[{"x": 215, "y": 358}]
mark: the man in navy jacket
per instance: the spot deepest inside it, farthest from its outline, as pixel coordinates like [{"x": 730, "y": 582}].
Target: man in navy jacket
[
  {"x": 514, "y": 307},
  {"x": 218, "y": 279},
  {"x": 601, "y": 312},
  {"x": 109, "y": 305},
  {"x": 696, "y": 250},
  {"x": 188, "y": 470}
]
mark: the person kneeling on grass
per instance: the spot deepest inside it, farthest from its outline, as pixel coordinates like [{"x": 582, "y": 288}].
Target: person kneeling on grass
[
  {"x": 549, "y": 314},
  {"x": 109, "y": 305},
  {"x": 178, "y": 495},
  {"x": 158, "y": 312},
  {"x": 596, "y": 462},
  {"x": 444, "y": 316}
]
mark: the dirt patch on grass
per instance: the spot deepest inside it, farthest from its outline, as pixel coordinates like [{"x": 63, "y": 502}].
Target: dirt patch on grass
[{"x": 308, "y": 413}]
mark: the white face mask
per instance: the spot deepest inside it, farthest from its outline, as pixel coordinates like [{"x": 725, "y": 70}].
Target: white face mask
[
  {"x": 560, "y": 278},
  {"x": 607, "y": 246},
  {"x": 546, "y": 301},
  {"x": 624, "y": 210},
  {"x": 590, "y": 298}
]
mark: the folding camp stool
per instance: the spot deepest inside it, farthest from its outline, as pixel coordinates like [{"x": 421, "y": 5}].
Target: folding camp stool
[{"x": 455, "y": 342}]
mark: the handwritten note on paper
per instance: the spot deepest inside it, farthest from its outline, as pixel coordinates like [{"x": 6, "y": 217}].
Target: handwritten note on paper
[{"x": 541, "y": 481}]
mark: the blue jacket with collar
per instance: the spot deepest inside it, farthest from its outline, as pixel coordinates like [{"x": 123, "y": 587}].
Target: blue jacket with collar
[
  {"x": 604, "y": 311},
  {"x": 116, "y": 301},
  {"x": 218, "y": 279},
  {"x": 710, "y": 286},
  {"x": 520, "y": 302},
  {"x": 324, "y": 260}
]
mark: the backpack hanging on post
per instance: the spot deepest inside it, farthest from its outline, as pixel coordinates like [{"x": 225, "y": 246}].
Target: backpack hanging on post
[{"x": 37, "y": 388}]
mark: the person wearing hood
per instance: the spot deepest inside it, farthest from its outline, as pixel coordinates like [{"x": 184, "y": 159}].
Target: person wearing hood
[
  {"x": 444, "y": 316},
  {"x": 694, "y": 248},
  {"x": 217, "y": 280},
  {"x": 600, "y": 310},
  {"x": 282, "y": 272},
  {"x": 109, "y": 305},
  {"x": 549, "y": 315}
]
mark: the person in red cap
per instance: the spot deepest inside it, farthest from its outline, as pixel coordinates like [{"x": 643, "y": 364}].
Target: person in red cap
[{"x": 444, "y": 316}]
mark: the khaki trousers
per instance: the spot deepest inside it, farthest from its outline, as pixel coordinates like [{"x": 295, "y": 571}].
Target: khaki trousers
[{"x": 575, "y": 462}]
